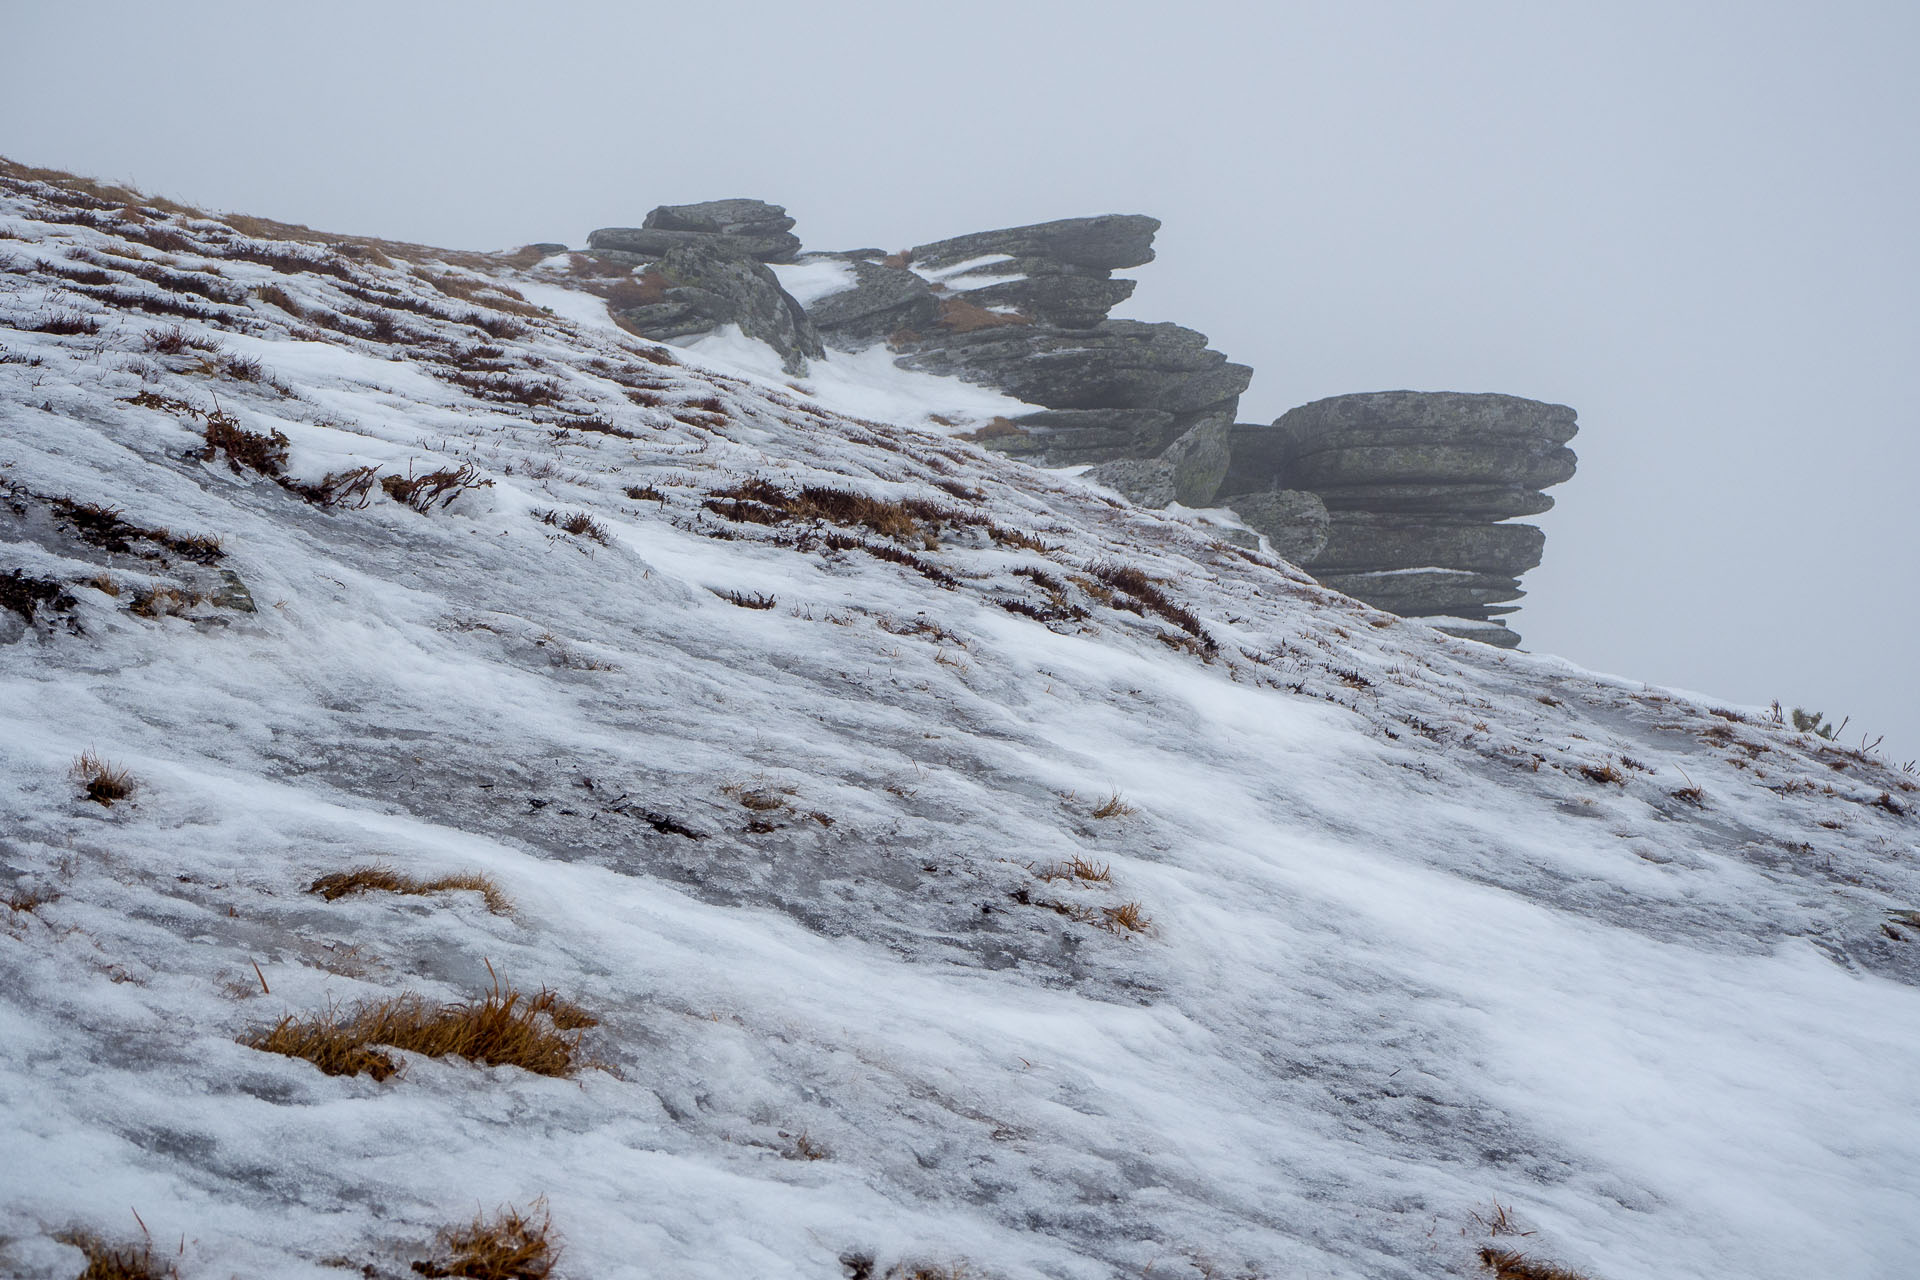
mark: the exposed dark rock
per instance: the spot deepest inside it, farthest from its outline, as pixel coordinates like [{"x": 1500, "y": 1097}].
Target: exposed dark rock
[
  {"x": 1145, "y": 482},
  {"x": 883, "y": 300},
  {"x": 1428, "y": 592},
  {"x": 1199, "y": 457},
  {"x": 1120, "y": 364},
  {"x": 1533, "y": 464},
  {"x": 650, "y": 242},
  {"x": 1294, "y": 521},
  {"x": 1365, "y": 540},
  {"x": 1108, "y": 242},
  {"x": 710, "y": 287},
  {"x": 1414, "y": 483},
  {"x": 1064, "y": 301},
  {"x": 1073, "y": 437},
  {"x": 1489, "y": 501},
  {"x": 737, "y": 217},
  {"x": 1258, "y": 456}
]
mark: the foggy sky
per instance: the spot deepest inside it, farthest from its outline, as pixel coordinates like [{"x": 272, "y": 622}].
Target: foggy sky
[{"x": 1695, "y": 223}]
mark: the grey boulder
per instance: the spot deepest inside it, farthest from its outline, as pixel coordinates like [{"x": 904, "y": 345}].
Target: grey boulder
[
  {"x": 1145, "y": 482},
  {"x": 1074, "y": 437},
  {"x": 1292, "y": 520},
  {"x": 1105, "y": 242},
  {"x": 708, "y": 287},
  {"x": 1365, "y": 540},
  {"x": 882, "y": 301}
]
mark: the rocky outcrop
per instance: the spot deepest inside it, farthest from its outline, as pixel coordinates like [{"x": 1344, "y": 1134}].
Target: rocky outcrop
[
  {"x": 707, "y": 265},
  {"x": 1417, "y": 487},
  {"x": 882, "y": 300},
  {"x": 1025, "y": 310},
  {"x": 741, "y": 228},
  {"x": 1400, "y": 498}
]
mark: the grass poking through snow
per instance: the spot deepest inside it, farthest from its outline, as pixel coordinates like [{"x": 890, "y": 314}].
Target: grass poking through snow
[
  {"x": 387, "y": 880},
  {"x": 539, "y": 1033}
]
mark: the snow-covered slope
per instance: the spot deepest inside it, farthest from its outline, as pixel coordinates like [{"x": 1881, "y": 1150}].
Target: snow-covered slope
[{"x": 1394, "y": 928}]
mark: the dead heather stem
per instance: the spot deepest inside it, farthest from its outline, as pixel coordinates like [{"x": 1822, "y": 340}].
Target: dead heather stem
[
  {"x": 441, "y": 487},
  {"x": 578, "y": 523},
  {"x": 510, "y": 1245},
  {"x": 502, "y": 1028},
  {"x": 245, "y": 450},
  {"x": 1499, "y": 1221},
  {"x": 101, "y": 782},
  {"x": 378, "y": 879}
]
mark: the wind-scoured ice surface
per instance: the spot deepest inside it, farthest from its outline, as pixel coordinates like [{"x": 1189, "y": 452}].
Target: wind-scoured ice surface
[{"x": 1428, "y": 926}]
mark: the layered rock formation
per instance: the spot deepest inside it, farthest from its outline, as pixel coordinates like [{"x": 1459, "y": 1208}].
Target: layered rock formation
[
  {"x": 1025, "y": 310},
  {"x": 1399, "y": 498},
  {"x": 706, "y": 264},
  {"x": 1417, "y": 488}
]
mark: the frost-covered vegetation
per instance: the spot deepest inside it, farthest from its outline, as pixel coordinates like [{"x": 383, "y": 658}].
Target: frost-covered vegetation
[{"x": 785, "y": 843}]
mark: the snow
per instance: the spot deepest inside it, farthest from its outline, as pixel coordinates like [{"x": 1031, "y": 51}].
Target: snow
[
  {"x": 1406, "y": 959},
  {"x": 863, "y": 384},
  {"x": 816, "y": 278}
]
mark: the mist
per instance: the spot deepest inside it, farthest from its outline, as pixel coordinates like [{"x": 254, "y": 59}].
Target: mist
[{"x": 1692, "y": 223}]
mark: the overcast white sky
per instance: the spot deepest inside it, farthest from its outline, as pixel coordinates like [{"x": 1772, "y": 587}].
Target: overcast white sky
[{"x": 1694, "y": 222}]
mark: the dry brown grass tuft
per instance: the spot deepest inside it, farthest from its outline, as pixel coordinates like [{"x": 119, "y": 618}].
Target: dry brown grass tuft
[
  {"x": 1114, "y": 807},
  {"x": 1126, "y": 916},
  {"x": 503, "y": 1028},
  {"x": 962, "y": 316},
  {"x": 101, "y": 782},
  {"x": 1602, "y": 773},
  {"x": 163, "y": 602},
  {"x": 1509, "y": 1264},
  {"x": 510, "y": 1245},
  {"x": 107, "y": 1262},
  {"x": 644, "y": 493},
  {"x": 377, "y": 879},
  {"x": 30, "y": 900},
  {"x": 1075, "y": 868}
]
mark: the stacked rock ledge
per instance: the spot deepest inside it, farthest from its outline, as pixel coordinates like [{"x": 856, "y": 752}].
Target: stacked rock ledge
[{"x": 1402, "y": 499}]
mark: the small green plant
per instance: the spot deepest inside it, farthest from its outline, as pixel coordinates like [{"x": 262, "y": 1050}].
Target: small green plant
[{"x": 1811, "y": 722}]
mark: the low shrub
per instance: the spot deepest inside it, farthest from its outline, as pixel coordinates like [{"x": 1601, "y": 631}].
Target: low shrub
[
  {"x": 68, "y": 324},
  {"x": 245, "y": 450}
]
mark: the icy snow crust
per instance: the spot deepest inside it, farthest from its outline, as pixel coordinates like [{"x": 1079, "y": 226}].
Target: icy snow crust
[{"x": 1405, "y": 958}]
